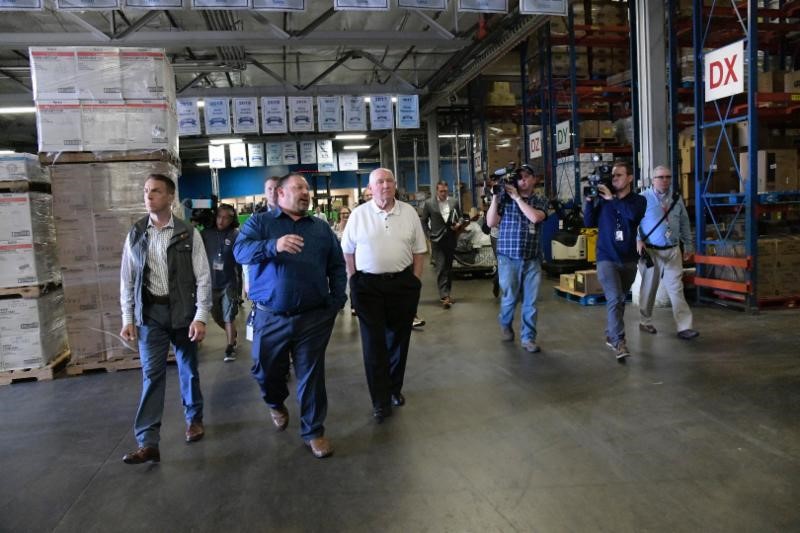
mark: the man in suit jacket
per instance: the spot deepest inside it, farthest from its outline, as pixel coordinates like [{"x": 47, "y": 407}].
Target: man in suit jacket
[{"x": 442, "y": 221}]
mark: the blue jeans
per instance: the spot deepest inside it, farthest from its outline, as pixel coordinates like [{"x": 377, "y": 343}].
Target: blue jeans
[
  {"x": 155, "y": 336},
  {"x": 519, "y": 277},
  {"x": 616, "y": 279},
  {"x": 306, "y": 337}
]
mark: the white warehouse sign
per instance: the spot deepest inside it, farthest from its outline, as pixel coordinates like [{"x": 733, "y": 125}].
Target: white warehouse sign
[{"x": 724, "y": 71}]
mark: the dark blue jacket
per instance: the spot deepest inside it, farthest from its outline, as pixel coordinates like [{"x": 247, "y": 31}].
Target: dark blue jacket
[
  {"x": 219, "y": 247},
  {"x": 292, "y": 283},
  {"x": 609, "y": 216}
]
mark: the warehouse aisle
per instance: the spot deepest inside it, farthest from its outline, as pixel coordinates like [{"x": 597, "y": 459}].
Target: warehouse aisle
[{"x": 700, "y": 436}]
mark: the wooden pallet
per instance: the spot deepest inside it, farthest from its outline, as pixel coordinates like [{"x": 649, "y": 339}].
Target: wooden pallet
[
  {"x": 582, "y": 298},
  {"x": 24, "y": 186},
  {"x": 599, "y": 141},
  {"x": 779, "y": 302},
  {"x": 29, "y": 291},
  {"x": 79, "y": 368},
  {"x": 45, "y": 373},
  {"x": 65, "y": 158}
]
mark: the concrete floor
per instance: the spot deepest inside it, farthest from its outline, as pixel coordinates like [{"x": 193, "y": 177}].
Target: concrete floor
[{"x": 700, "y": 436}]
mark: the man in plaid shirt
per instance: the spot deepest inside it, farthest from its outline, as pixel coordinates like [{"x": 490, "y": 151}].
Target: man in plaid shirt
[{"x": 519, "y": 213}]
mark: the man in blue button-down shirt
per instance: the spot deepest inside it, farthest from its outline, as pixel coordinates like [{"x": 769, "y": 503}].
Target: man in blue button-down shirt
[
  {"x": 297, "y": 275},
  {"x": 663, "y": 246}
]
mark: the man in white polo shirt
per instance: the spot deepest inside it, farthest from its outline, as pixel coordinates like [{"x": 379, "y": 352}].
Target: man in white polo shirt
[{"x": 384, "y": 246}]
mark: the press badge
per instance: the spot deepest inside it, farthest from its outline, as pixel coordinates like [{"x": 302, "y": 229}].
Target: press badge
[
  {"x": 218, "y": 264},
  {"x": 619, "y": 236},
  {"x": 532, "y": 229}
]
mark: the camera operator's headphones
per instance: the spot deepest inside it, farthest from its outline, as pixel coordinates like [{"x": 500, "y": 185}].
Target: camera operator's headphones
[{"x": 229, "y": 207}]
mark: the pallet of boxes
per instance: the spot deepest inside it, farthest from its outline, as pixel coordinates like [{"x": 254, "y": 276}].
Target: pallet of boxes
[
  {"x": 118, "y": 126},
  {"x": 33, "y": 340},
  {"x": 582, "y": 287}
]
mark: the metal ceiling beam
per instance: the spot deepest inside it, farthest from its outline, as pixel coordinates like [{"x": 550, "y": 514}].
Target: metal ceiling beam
[
  {"x": 328, "y": 70},
  {"x": 99, "y": 36},
  {"x": 317, "y": 90},
  {"x": 181, "y": 90},
  {"x": 472, "y": 62},
  {"x": 438, "y": 28},
  {"x": 274, "y": 75},
  {"x": 316, "y": 23},
  {"x": 261, "y": 19},
  {"x": 137, "y": 25},
  {"x": 182, "y": 39},
  {"x": 374, "y": 60},
  {"x": 15, "y": 80}
]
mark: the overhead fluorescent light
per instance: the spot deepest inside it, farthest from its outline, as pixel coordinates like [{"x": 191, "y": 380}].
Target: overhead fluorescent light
[
  {"x": 201, "y": 103},
  {"x": 453, "y": 135},
  {"x": 7, "y": 152},
  {"x": 226, "y": 141},
  {"x": 17, "y": 110},
  {"x": 202, "y": 164},
  {"x": 351, "y": 137},
  {"x": 356, "y": 147}
]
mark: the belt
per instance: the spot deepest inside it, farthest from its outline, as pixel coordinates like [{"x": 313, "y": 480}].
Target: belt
[
  {"x": 154, "y": 299},
  {"x": 386, "y": 275},
  {"x": 654, "y": 247},
  {"x": 262, "y": 307}
]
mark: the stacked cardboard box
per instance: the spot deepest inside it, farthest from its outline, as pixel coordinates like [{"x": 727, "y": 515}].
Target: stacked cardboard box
[
  {"x": 778, "y": 263},
  {"x": 32, "y": 331},
  {"x": 777, "y": 170},
  {"x": 501, "y": 95},
  {"x": 587, "y": 282},
  {"x": 31, "y": 327},
  {"x": 95, "y": 205},
  {"x": 598, "y": 129},
  {"x": 103, "y": 98},
  {"x": 22, "y": 167},
  {"x": 27, "y": 240}
]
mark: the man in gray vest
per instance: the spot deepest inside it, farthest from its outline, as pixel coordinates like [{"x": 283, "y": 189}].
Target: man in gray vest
[{"x": 165, "y": 295}]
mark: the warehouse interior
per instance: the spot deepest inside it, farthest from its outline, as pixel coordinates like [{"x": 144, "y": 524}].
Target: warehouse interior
[{"x": 682, "y": 436}]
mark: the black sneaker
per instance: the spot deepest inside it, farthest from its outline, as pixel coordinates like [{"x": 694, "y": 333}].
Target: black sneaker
[{"x": 230, "y": 353}]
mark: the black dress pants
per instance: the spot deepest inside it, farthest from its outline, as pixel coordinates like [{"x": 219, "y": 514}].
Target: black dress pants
[{"x": 385, "y": 304}]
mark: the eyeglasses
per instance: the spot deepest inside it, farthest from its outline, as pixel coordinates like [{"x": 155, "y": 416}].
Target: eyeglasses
[{"x": 667, "y": 177}]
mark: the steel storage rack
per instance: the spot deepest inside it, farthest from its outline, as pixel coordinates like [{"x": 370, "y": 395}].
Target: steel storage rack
[
  {"x": 734, "y": 267},
  {"x": 586, "y": 90}
]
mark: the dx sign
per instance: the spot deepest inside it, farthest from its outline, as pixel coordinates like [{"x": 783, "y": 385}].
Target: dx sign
[{"x": 724, "y": 71}]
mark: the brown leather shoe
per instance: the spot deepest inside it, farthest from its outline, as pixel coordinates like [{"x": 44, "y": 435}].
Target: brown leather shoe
[
  {"x": 142, "y": 455},
  {"x": 280, "y": 417},
  {"x": 195, "y": 431},
  {"x": 321, "y": 447}
]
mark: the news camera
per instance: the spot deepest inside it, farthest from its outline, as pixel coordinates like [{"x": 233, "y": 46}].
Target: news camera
[
  {"x": 600, "y": 176},
  {"x": 508, "y": 176},
  {"x": 203, "y": 211}
]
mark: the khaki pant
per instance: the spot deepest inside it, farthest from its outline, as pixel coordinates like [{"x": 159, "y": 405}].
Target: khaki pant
[{"x": 667, "y": 269}]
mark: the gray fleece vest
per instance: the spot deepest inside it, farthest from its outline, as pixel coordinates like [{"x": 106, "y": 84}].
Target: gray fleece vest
[{"x": 182, "y": 283}]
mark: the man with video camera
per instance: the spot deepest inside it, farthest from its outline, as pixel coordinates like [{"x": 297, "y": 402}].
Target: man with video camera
[
  {"x": 519, "y": 213},
  {"x": 611, "y": 205}
]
